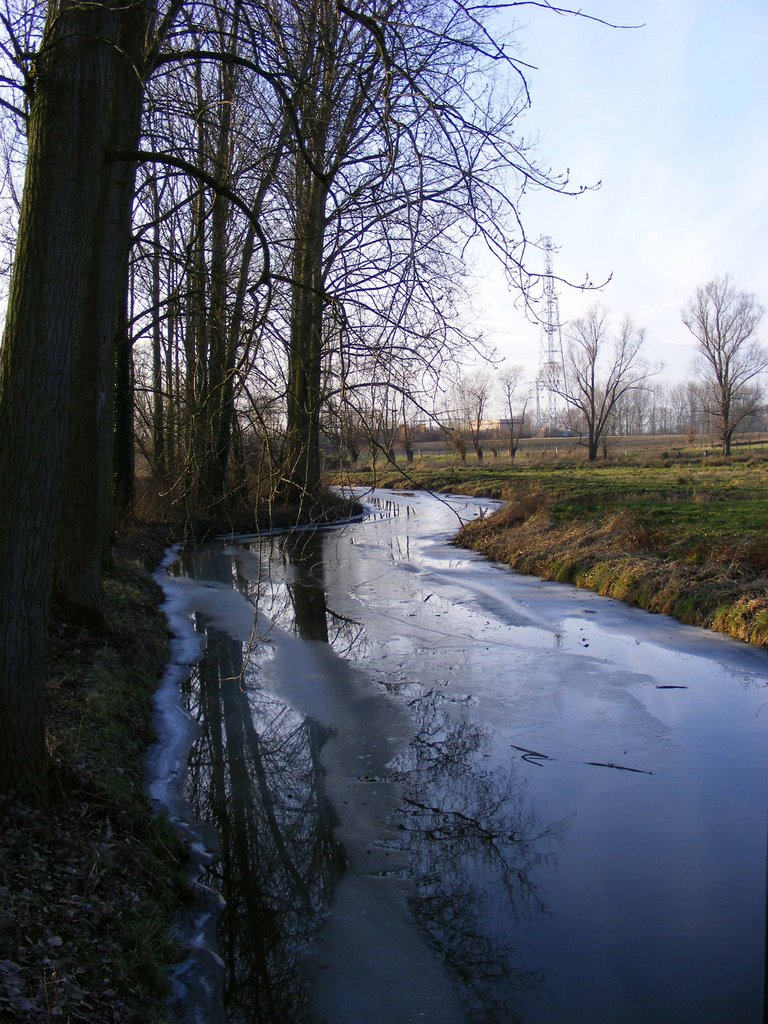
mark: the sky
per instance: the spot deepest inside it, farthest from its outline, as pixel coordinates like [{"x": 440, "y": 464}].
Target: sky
[{"x": 672, "y": 119}]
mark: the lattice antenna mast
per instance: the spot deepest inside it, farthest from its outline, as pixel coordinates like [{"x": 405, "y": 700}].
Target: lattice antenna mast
[{"x": 551, "y": 351}]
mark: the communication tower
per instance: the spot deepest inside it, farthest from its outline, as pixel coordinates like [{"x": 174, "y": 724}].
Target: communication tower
[{"x": 551, "y": 348}]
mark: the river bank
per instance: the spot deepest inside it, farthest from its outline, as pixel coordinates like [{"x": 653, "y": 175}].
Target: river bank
[
  {"x": 90, "y": 883},
  {"x": 609, "y": 556},
  {"x": 680, "y": 538}
]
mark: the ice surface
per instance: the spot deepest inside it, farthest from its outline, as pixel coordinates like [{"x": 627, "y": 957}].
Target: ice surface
[{"x": 563, "y": 791}]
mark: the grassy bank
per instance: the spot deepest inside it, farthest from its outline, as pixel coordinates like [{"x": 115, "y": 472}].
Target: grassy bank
[{"x": 684, "y": 537}]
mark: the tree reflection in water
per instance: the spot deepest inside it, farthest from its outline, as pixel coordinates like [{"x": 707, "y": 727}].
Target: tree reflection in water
[
  {"x": 296, "y": 601},
  {"x": 255, "y": 775},
  {"x": 474, "y": 845}
]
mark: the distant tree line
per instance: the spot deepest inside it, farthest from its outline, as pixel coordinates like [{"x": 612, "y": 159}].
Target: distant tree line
[{"x": 603, "y": 387}]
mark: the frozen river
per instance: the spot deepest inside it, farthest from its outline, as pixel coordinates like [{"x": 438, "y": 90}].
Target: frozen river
[{"x": 448, "y": 793}]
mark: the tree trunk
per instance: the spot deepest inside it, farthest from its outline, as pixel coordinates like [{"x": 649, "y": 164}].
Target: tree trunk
[
  {"x": 196, "y": 340},
  {"x": 726, "y": 430},
  {"x": 214, "y": 405},
  {"x": 87, "y": 509},
  {"x": 302, "y": 443},
  {"x": 124, "y": 468},
  {"x": 215, "y": 402},
  {"x": 158, "y": 403},
  {"x": 50, "y": 302}
]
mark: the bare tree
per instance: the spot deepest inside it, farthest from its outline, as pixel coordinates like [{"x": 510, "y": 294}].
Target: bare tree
[
  {"x": 515, "y": 403},
  {"x": 659, "y": 413},
  {"x": 598, "y": 371},
  {"x": 453, "y": 422},
  {"x": 475, "y": 393},
  {"x": 730, "y": 359},
  {"x": 406, "y": 145},
  {"x": 463, "y": 409}
]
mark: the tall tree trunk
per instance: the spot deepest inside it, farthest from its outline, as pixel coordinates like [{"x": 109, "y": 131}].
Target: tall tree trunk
[
  {"x": 87, "y": 510},
  {"x": 214, "y": 419},
  {"x": 124, "y": 455},
  {"x": 216, "y": 401},
  {"x": 302, "y": 443},
  {"x": 726, "y": 430},
  {"x": 158, "y": 404},
  {"x": 172, "y": 383},
  {"x": 50, "y": 302},
  {"x": 196, "y": 339}
]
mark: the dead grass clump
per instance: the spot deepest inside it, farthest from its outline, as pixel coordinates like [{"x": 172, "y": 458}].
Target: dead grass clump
[
  {"x": 753, "y": 554},
  {"x": 587, "y": 552},
  {"x": 505, "y": 538},
  {"x": 756, "y": 554},
  {"x": 522, "y": 503},
  {"x": 746, "y": 619},
  {"x": 519, "y": 508},
  {"x": 623, "y": 531},
  {"x": 620, "y": 578}
]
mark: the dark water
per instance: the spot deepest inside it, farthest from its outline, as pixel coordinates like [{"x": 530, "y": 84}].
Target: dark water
[{"x": 444, "y": 792}]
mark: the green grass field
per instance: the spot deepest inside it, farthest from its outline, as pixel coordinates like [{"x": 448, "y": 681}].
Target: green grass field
[{"x": 681, "y": 499}]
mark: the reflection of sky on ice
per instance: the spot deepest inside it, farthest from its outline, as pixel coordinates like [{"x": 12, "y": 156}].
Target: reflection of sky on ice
[{"x": 639, "y": 741}]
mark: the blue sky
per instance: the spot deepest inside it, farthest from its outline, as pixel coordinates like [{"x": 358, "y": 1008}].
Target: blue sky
[{"x": 673, "y": 119}]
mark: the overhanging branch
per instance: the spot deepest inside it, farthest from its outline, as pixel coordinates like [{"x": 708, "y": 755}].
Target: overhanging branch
[{"x": 169, "y": 160}]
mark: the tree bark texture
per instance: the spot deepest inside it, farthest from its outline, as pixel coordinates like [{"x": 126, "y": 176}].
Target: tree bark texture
[
  {"x": 87, "y": 507},
  {"x": 65, "y": 211},
  {"x": 305, "y": 354},
  {"x": 124, "y": 458}
]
